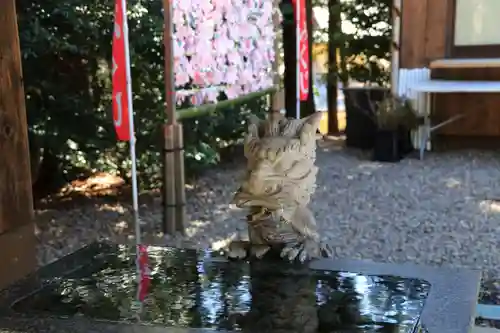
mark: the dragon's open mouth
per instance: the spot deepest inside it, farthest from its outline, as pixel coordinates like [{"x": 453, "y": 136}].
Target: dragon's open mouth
[{"x": 242, "y": 199}]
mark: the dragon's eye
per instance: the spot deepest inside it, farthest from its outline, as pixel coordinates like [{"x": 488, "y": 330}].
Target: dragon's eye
[{"x": 269, "y": 189}]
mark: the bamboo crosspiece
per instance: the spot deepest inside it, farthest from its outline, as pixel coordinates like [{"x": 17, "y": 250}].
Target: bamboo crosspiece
[{"x": 396, "y": 45}]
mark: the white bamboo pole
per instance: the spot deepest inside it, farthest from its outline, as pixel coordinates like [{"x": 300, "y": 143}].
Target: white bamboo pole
[
  {"x": 135, "y": 189},
  {"x": 396, "y": 43}
]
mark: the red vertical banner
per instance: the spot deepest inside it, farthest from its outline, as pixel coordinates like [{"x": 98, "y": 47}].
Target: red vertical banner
[
  {"x": 144, "y": 272},
  {"x": 303, "y": 55},
  {"x": 119, "y": 77}
]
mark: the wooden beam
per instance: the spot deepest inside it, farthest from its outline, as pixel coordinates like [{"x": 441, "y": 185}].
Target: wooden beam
[
  {"x": 17, "y": 243},
  {"x": 413, "y": 33},
  {"x": 436, "y": 29},
  {"x": 16, "y": 203}
]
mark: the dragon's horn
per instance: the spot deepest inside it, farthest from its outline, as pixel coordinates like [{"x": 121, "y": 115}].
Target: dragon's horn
[{"x": 310, "y": 125}]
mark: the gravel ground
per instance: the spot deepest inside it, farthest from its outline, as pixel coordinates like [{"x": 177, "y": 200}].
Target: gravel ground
[{"x": 440, "y": 211}]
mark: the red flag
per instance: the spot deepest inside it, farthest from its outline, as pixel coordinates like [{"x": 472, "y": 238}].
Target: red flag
[
  {"x": 119, "y": 76},
  {"x": 144, "y": 271},
  {"x": 303, "y": 55}
]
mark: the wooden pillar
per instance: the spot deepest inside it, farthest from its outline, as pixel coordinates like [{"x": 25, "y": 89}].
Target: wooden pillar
[{"x": 17, "y": 239}]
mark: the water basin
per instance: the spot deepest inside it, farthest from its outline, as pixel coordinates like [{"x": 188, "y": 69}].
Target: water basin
[{"x": 196, "y": 289}]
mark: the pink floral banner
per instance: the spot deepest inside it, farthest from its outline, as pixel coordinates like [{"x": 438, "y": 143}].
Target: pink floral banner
[{"x": 222, "y": 46}]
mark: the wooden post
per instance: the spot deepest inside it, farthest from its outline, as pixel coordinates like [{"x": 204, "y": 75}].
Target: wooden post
[
  {"x": 17, "y": 238},
  {"x": 168, "y": 183},
  {"x": 334, "y": 28},
  {"x": 277, "y": 98},
  {"x": 396, "y": 34},
  {"x": 180, "y": 193},
  {"x": 289, "y": 59},
  {"x": 309, "y": 106},
  {"x": 174, "y": 196}
]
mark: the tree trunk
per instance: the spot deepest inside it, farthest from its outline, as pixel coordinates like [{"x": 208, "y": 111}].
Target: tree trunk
[
  {"x": 332, "y": 87},
  {"x": 49, "y": 176},
  {"x": 344, "y": 74},
  {"x": 35, "y": 156}
]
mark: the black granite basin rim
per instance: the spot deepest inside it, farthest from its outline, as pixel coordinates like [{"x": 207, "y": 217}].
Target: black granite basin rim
[
  {"x": 42, "y": 276},
  {"x": 449, "y": 305},
  {"x": 83, "y": 325}
]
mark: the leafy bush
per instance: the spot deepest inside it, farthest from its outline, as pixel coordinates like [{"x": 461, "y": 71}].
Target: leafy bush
[{"x": 395, "y": 112}]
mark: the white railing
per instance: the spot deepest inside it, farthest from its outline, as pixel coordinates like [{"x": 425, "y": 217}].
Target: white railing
[{"x": 407, "y": 78}]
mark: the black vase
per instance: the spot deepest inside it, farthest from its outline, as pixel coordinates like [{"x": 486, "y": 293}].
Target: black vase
[
  {"x": 361, "y": 126},
  {"x": 392, "y": 145}
]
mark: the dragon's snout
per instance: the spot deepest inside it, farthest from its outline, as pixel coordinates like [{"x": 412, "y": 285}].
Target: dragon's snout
[{"x": 243, "y": 199}]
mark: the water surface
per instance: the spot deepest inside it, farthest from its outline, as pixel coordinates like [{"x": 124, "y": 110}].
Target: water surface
[{"x": 198, "y": 289}]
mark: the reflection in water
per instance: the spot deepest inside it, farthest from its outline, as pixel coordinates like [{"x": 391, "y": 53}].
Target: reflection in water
[
  {"x": 489, "y": 295},
  {"x": 192, "y": 289},
  {"x": 283, "y": 299}
]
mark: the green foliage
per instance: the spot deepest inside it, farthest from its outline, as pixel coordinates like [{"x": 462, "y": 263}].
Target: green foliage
[
  {"x": 66, "y": 51},
  {"x": 217, "y": 130},
  {"x": 369, "y": 45},
  {"x": 396, "y": 112},
  {"x": 365, "y": 45}
]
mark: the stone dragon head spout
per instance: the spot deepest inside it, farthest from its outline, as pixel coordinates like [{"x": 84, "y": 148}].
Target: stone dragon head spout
[
  {"x": 280, "y": 156},
  {"x": 279, "y": 181}
]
